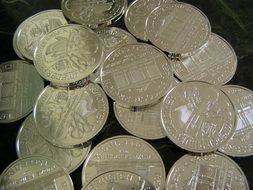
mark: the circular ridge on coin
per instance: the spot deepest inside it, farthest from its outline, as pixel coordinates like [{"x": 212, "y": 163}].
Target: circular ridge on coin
[
  {"x": 178, "y": 28},
  {"x": 215, "y": 63},
  {"x": 20, "y": 85},
  {"x": 198, "y": 116},
  {"x": 35, "y": 172},
  {"x": 137, "y": 14},
  {"x": 68, "y": 54},
  {"x": 31, "y": 30},
  {"x": 136, "y": 75},
  {"x": 121, "y": 180},
  {"x": 241, "y": 143},
  {"x": 67, "y": 118},
  {"x": 93, "y": 13},
  {"x": 213, "y": 171},
  {"x": 30, "y": 143},
  {"x": 125, "y": 153}
]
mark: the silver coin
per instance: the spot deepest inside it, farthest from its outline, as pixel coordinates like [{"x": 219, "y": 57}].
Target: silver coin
[
  {"x": 144, "y": 122},
  {"x": 241, "y": 143},
  {"x": 197, "y": 116},
  {"x": 20, "y": 85},
  {"x": 215, "y": 63},
  {"x": 178, "y": 28},
  {"x": 125, "y": 153},
  {"x": 71, "y": 117},
  {"x": 136, "y": 75},
  {"x": 137, "y": 14},
  {"x": 30, "y": 143},
  {"x": 68, "y": 54},
  {"x": 30, "y": 31},
  {"x": 35, "y": 173},
  {"x": 93, "y": 13},
  {"x": 214, "y": 171},
  {"x": 123, "y": 180}
]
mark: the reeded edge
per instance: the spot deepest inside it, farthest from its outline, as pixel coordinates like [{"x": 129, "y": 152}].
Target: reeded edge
[
  {"x": 185, "y": 147},
  {"x": 118, "y": 137}
]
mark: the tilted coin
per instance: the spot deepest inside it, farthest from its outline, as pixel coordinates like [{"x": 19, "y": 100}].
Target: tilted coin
[
  {"x": 136, "y": 75},
  {"x": 137, "y": 14},
  {"x": 20, "y": 85},
  {"x": 241, "y": 143},
  {"x": 71, "y": 117},
  {"x": 215, "y": 63},
  {"x": 30, "y": 143},
  {"x": 93, "y": 13},
  {"x": 30, "y": 31},
  {"x": 68, "y": 54},
  {"x": 197, "y": 116},
  {"x": 35, "y": 173},
  {"x": 178, "y": 28},
  {"x": 123, "y": 180},
  {"x": 213, "y": 171},
  {"x": 125, "y": 153}
]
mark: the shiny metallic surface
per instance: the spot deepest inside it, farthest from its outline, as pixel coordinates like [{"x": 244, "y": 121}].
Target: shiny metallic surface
[
  {"x": 71, "y": 117},
  {"x": 198, "y": 116},
  {"x": 213, "y": 171},
  {"x": 68, "y": 54},
  {"x": 31, "y": 30},
  {"x": 178, "y": 28},
  {"x": 20, "y": 85},
  {"x": 136, "y": 75},
  {"x": 240, "y": 144},
  {"x": 35, "y": 173},
  {"x": 30, "y": 143},
  {"x": 125, "y": 153},
  {"x": 215, "y": 63}
]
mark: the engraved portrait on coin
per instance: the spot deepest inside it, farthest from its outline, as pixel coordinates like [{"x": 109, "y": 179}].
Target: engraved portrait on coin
[
  {"x": 71, "y": 117},
  {"x": 197, "y": 116}
]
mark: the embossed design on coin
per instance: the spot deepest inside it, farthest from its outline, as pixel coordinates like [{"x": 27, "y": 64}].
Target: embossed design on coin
[
  {"x": 125, "y": 153},
  {"x": 30, "y": 31},
  {"x": 178, "y": 28},
  {"x": 30, "y": 143},
  {"x": 215, "y": 63},
  {"x": 136, "y": 75},
  {"x": 137, "y": 14},
  {"x": 122, "y": 180},
  {"x": 37, "y": 173},
  {"x": 197, "y": 116},
  {"x": 214, "y": 171},
  {"x": 20, "y": 85},
  {"x": 93, "y": 13},
  {"x": 68, "y": 54},
  {"x": 240, "y": 144},
  {"x": 71, "y": 117}
]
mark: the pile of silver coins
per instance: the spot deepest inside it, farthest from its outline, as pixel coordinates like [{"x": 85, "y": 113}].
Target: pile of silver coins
[{"x": 174, "y": 88}]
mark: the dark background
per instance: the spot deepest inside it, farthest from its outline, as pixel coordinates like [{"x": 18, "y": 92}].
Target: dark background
[{"x": 233, "y": 20}]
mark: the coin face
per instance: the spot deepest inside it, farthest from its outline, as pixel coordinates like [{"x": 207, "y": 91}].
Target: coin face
[
  {"x": 136, "y": 75},
  {"x": 30, "y": 143},
  {"x": 125, "y": 153},
  {"x": 30, "y": 31},
  {"x": 197, "y": 116},
  {"x": 240, "y": 144},
  {"x": 68, "y": 54},
  {"x": 123, "y": 180},
  {"x": 93, "y": 13},
  {"x": 35, "y": 172},
  {"x": 213, "y": 171},
  {"x": 137, "y": 14},
  {"x": 215, "y": 63},
  {"x": 178, "y": 28},
  {"x": 20, "y": 85},
  {"x": 71, "y": 117}
]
